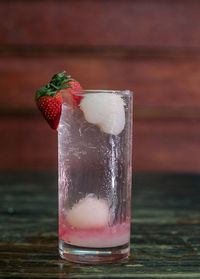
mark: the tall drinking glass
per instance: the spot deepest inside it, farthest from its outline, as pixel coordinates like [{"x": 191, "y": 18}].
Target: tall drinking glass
[{"x": 95, "y": 175}]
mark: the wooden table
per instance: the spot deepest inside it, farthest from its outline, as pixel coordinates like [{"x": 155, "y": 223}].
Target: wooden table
[{"x": 165, "y": 238}]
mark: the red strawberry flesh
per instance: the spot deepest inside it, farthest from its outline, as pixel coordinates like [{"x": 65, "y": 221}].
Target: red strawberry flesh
[
  {"x": 51, "y": 108},
  {"x": 75, "y": 88}
]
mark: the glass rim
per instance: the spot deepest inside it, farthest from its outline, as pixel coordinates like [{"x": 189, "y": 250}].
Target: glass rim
[{"x": 103, "y": 91}]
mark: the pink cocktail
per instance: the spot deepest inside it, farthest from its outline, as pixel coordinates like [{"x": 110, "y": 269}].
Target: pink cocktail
[{"x": 94, "y": 157}]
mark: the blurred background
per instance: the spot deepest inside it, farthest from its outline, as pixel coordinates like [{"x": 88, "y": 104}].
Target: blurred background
[{"x": 149, "y": 46}]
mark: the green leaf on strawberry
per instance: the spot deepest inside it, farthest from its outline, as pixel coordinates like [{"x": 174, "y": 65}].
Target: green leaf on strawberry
[{"x": 58, "y": 81}]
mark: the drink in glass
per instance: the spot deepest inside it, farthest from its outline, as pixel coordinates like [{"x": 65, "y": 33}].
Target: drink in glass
[{"x": 95, "y": 170}]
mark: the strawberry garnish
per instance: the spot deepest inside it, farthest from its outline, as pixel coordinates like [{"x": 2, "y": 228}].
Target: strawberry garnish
[
  {"x": 49, "y": 98},
  {"x": 75, "y": 88},
  {"x": 51, "y": 108}
]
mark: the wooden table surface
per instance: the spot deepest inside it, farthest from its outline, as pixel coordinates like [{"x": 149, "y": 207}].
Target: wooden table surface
[{"x": 165, "y": 237}]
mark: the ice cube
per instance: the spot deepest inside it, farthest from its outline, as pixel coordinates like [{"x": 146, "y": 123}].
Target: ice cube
[
  {"x": 89, "y": 212},
  {"x": 105, "y": 110}
]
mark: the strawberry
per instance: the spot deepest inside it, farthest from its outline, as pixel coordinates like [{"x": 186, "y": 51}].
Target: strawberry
[
  {"x": 51, "y": 108},
  {"x": 75, "y": 88},
  {"x": 49, "y": 98},
  {"x": 69, "y": 94}
]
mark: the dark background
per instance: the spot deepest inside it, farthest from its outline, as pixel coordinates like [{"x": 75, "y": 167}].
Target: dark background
[{"x": 149, "y": 46}]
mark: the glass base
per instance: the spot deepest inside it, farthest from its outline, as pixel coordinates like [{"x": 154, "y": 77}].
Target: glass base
[{"x": 86, "y": 255}]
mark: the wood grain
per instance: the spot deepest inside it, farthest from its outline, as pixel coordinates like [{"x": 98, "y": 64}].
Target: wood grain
[
  {"x": 158, "y": 145},
  {"x": 143, "y": 24},
  {"x": 167, "y": 145},
  {"x": 164, "y": 239},
  {"x": 27, "y": 144},
  {"x": 156, "y": 82}
]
